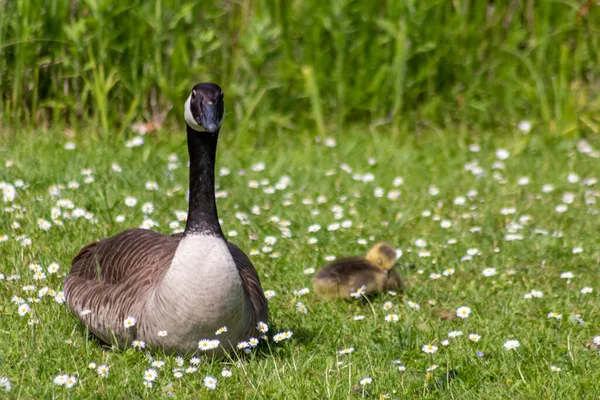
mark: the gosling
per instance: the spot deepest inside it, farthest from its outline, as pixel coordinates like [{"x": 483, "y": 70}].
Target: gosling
[{"x": 359, "y": 276}]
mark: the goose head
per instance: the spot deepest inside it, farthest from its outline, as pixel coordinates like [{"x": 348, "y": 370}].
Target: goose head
[
  {"x": 204, "y": 109},
  {"x": 382, "y": 255}
]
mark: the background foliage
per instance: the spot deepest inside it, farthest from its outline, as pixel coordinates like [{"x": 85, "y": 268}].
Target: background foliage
[{"x": 410, "y": 63}]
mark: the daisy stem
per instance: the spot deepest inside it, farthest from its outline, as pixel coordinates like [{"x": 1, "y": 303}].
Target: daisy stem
[{"x": 372, "y": 308}]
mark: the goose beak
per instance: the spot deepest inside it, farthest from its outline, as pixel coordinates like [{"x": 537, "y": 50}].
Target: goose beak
[{"x": 210, "y": 117}]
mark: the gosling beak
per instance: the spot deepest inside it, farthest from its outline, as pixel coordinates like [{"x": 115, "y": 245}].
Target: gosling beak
[{"x": 210, "y": 117}]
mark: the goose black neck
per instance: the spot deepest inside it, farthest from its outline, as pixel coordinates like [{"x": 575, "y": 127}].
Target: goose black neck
[{"x": 202, "y": 210}]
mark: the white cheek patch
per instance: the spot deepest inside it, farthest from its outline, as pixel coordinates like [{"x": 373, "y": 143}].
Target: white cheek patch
[{"x": 189, "y": 118}]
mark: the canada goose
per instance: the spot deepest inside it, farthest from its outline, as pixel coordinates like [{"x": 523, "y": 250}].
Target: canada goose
[
  {"x": 188, "y": 285},
  {"x": 343, "y": 277}
]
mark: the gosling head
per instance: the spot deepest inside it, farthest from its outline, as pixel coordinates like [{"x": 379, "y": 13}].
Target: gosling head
[
  {"x": 204, "y": 109},
  {"x": 382, "y": 255}
]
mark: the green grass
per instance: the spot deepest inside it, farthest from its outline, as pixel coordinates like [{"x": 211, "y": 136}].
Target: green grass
[
  {"x": 406, "y": 63},
  {"x": 306, "y": 367}
]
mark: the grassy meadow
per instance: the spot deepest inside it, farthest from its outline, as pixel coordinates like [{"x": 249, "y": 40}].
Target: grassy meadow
[
  {"x": 489, "y": 224},
  {"x": 464, "y": 133}
]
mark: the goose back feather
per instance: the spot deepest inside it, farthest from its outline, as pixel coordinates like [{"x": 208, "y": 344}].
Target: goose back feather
[{"x": 342, "y": 277}]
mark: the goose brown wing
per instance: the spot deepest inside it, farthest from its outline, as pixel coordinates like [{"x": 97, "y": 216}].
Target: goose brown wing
[
  {"x": 115, "y": 259},
  {"x": 251, "y": 283},
  {"x": 108, "y": 278}
]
